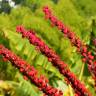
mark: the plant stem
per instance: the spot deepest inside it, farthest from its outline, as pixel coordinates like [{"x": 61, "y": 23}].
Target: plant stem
[{"x": 81, "y": 73}]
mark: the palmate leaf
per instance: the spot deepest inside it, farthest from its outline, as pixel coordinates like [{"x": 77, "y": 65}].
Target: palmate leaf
[
  {"x": 17, "y": 89},
  {"x": 28, "y": 89},
  {"x": 50, "y": 36},
  {"x": 67, "y": 11},
  {"x": 28, "y": 52}
]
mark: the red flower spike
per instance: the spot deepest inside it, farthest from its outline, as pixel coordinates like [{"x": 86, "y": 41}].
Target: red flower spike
[
  {"x": 84, "y": 59},
  {"x": 81, "y": 47},
  {"x": 29, "y": 71},
  {"x": 78, "y": 87},
  {"x": 25, "y": 77},
  {"x": 4, "y": 59}
]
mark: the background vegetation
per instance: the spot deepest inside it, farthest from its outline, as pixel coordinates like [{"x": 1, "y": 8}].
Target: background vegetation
[{"x": 78, "y": 15}]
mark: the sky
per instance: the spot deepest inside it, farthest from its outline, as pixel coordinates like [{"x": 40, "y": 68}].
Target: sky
[{"x": 11, "y": 3}]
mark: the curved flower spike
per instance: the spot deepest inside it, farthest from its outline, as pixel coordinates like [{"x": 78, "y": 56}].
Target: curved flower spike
[
  {"x": 87, "y": 56},
  {"x": 78, "y": 87},
  {"x": 30, "y": 72}
]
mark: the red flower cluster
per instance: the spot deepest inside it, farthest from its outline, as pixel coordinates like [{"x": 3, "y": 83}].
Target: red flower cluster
[
  {"x": 78, "y": 87},
  {"x": 29, "y": 72},
  {"x": 81, "y": 47}
]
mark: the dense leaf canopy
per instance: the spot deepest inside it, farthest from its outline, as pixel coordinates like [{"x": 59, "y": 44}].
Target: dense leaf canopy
[{"x": 78, "y": 15}]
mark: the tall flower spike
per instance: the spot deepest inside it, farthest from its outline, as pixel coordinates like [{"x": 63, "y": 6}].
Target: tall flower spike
[
  {"x": 81, "y": 47},
  {"x": 78, "y": 87},
  {"x": 30, "y": 72}
]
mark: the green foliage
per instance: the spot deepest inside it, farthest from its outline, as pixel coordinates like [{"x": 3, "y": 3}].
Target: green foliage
[
  {"x": 29, "y": 13},
  {"x": 86, "y": 8}
]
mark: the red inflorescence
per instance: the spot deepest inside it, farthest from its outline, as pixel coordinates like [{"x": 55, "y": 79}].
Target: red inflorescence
[
  {"x": 30, "y": 72},
  {"x": 87, "y": 56},
  {"x": 78, "y": 87}
]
